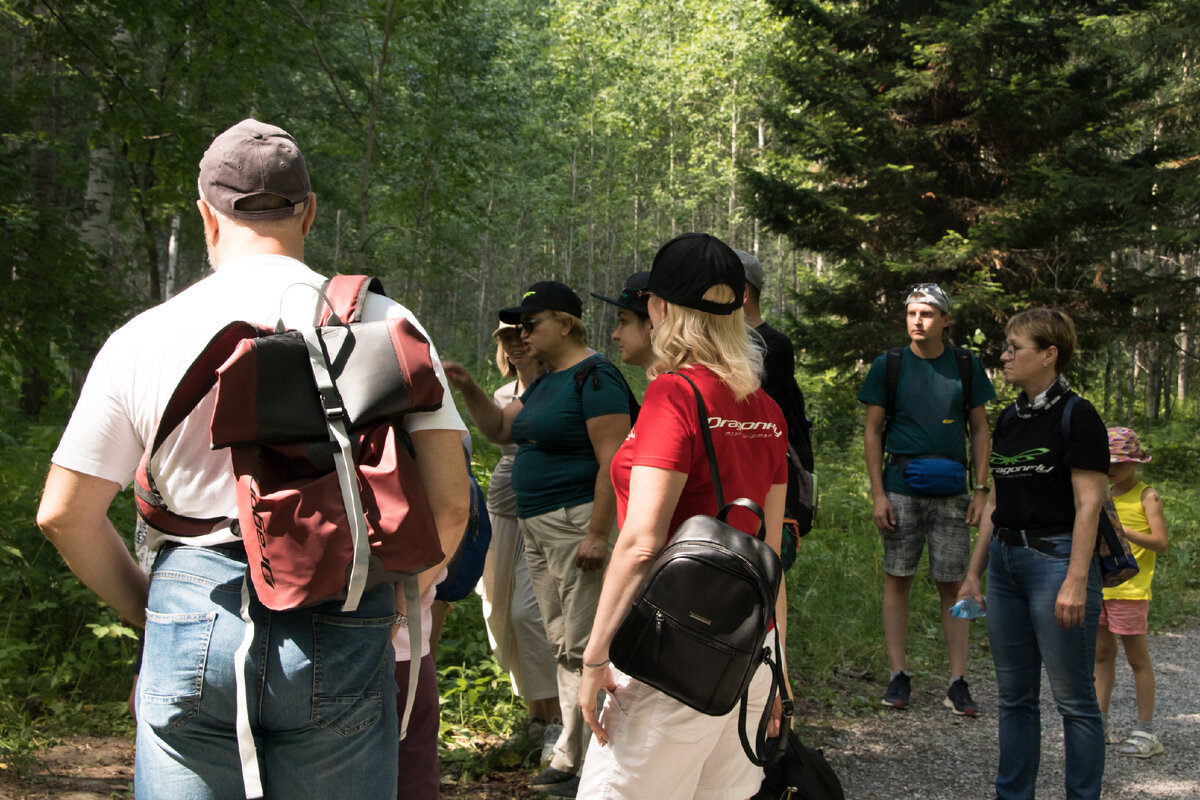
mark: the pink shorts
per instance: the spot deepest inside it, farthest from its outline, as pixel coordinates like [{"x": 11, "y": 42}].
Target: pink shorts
[{"x": 1125, "y": 617}]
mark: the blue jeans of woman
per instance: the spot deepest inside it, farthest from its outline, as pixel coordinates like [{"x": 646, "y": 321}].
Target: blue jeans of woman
[
  {"x": 321, "y": 690},
  {"x": 1022, "y": 588}
]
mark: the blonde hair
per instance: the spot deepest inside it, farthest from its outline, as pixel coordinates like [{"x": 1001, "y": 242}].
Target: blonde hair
[
  {"x": 505, "y": 366},
  {"x": 578, "y": 331},
  {"x": 721, "y": 342}
]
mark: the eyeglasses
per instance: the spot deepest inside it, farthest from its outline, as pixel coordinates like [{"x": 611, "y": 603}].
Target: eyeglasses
[
  {"x": 1011, "y": 349},
  {"x": 923, "y": 288},
  {"x": 528, "y": 325}
]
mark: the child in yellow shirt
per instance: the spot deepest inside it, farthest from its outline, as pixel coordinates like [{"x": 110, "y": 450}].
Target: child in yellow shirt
[{"x": 1125, "y": 608}]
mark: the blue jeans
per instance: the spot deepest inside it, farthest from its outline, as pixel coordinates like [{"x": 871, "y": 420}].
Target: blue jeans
[
  {"x": 322, "y": 693},
  {"x": 1022, "y": 588}
]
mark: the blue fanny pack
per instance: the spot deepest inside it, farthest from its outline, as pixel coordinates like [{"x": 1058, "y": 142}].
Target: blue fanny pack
[{"x": 933, "y": 476}]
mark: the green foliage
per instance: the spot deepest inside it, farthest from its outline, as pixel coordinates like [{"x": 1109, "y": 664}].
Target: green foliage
[
  {"x": 476, "y": 694},
  {"x": 64, "y": 656},
  {"x": 1018, "y": 155}
]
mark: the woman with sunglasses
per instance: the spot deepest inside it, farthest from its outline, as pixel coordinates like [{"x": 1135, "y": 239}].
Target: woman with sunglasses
[
  {"x": 567, "y": 431},
  {"x": 1037, "y": 541},
  {"x": 647, "y": 744},
  {"x": 510, "y": 608}
]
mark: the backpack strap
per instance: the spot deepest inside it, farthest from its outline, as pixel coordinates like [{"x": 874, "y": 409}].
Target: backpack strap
[
  {"x": 1066, "y": 425},
  {"x": 591, "y": 369},
  {"x": 347, "y": 297},
  {"x": 966, "y": 377},
  {"x": 197, "y": 381},
  {"x": 891, "y": 382},
  {"x": 708, "y": 443},
  {"x": 759, "y": 755}
]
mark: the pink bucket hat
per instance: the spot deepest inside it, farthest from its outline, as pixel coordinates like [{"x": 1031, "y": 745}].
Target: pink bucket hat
[{"x": 1124, "y": 445}]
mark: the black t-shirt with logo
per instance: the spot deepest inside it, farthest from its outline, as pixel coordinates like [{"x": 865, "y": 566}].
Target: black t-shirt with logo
[{"x": 1031, "y": 470}]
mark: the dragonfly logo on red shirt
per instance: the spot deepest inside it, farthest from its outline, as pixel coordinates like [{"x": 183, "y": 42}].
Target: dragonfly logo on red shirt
[{"x": 745, "y": 426}]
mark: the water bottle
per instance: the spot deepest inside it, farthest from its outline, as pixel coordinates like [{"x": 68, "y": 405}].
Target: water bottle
[{"x": 967, "y": 608}]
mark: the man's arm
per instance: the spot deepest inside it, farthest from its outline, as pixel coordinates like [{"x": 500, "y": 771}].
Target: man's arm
[
  {"x": 881, "y": 512},
  {"x": 439, "y": 456},
  {"x": 981, "y": 450},
  {"x": 73, "y": 515}
]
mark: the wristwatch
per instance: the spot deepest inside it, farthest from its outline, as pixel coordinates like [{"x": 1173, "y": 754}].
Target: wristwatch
[{"x": 982, "y": 487}]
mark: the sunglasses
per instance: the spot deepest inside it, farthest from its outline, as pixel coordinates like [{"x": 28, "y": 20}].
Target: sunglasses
[{"x": 527, "y": 325}]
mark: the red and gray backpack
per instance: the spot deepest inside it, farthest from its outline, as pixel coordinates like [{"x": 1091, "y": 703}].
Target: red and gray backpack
[{"x": 330, "y": 501}]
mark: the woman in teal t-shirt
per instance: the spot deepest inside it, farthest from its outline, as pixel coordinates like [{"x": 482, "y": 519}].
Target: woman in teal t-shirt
[{"x": 567, "y": 424}]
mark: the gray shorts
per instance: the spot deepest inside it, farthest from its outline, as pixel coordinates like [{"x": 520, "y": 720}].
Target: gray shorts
[{"x": 942, "y": 521}]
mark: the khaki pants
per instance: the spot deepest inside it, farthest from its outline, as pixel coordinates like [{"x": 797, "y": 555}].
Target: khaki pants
[{"x": 567, "y": 598}]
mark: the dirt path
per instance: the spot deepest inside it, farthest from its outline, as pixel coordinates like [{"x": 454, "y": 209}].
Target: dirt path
[
  {"x": 925, "y": 753},
  {"x": 930, "y": 754}
]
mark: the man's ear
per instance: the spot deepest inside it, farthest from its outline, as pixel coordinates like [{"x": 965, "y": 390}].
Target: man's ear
[
  {"x": 212, "y": 226},
  {"x": 310, "y": 212}
]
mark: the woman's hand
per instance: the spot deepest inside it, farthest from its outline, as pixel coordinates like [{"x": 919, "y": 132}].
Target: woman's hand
[
  {"x": 1071, "y": 603},
  {"x": 593, "y": 680},
  {"x": 457, "y": 375},
  {"x": 972, "y": 588}
]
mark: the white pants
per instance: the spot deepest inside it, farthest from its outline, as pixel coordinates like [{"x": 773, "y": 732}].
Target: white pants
[{"x": 659, "y": 748}]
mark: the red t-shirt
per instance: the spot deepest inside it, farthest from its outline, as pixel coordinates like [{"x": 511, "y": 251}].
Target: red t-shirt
[{"x": 749, "y": 437}]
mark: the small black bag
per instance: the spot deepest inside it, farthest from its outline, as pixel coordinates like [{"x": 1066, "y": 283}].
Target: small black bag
[
  {"x": 696, "y": 628},
  {"x": 802, "y": 774}
]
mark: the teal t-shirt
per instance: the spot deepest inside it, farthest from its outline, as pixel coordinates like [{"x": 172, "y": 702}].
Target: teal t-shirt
[
  {"x": 555, "y": 465},
  {"x": 929, "y": 408}
]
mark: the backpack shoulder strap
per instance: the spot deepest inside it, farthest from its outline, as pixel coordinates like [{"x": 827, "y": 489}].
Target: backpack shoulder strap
[
  {"x": 891, "y": 385},
  {"x": 196, "y": 382},
  {"x": 1066, "y": 424},
  {"x": 587, "y": 370},
  {"x": 891, "y": 380},
  {"x": 966, "y": 376},
  {"x": 590, "y": 369},
  {"x": 347, "y": 295}
]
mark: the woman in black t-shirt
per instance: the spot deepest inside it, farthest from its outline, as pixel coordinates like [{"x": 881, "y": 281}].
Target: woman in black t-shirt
[{"x": 1037, "y": 541}]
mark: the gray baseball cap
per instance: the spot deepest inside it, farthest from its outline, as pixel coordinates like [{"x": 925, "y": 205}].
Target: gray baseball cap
[
  {"x": 754, "y": 270},
  {"x": 253, "y": 158}
]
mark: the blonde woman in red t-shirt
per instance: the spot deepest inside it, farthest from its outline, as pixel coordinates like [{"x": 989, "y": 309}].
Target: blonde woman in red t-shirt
[{"x": 645, "y": 743}]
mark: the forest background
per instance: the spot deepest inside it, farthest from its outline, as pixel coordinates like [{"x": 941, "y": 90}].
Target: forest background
[{"x": 1020, "y": 153}]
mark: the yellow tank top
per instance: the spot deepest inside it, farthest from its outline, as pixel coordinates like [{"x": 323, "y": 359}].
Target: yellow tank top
[{"x": 1133, "y": 516}]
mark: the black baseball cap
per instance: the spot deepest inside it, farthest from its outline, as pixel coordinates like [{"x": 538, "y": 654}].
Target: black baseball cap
[
  {"x": 692, "y": 263},
  {"x": 544, "y": 296},
  {"x": 253, "y": 158},
  {"x": 634, "y": 296}
]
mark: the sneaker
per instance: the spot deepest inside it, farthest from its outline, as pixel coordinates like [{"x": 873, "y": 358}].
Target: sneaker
[
  {"x": 958, "y": 699},
  {"x": 550, "y": 739},
  {"x": 1141, "y": 744},
  {"x": 567, "y": 788},
  {"x": 898, "y": 691},
  {"x": 550, "y": 777}
]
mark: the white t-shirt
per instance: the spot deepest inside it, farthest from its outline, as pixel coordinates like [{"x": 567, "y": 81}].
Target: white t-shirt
[{"x": 138, "y": 368}]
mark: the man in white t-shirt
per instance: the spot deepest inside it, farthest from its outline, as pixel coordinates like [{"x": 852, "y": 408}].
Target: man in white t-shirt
[{"x": 322, "y": 692}]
